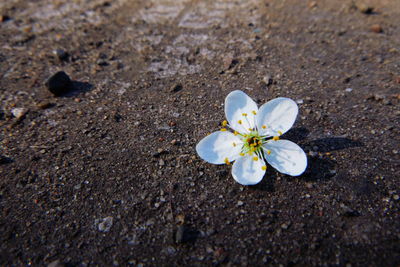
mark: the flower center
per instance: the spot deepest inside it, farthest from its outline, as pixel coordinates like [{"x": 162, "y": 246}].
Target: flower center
[{"x": 252, "y": 143}]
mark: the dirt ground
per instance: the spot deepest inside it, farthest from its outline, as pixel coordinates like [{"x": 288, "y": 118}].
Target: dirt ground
[{"x": 107, "y": 174}]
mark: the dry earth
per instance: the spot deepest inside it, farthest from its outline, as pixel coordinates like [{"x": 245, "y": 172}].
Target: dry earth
[{"x": 108, "y": 174}]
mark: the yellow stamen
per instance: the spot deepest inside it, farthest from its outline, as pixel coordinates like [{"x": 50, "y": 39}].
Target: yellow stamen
[
  {"x": 275, "y": 138},
  {"x": 227, "y": 161},
  {"x": 264, "y": 127},
  {"x": 254, "y": 112},
  {"x": 253, "y": 149},
  {"x": 259, "y": 143},
  {"x": 241, "y": 154},
  {"x": 224, "y": 123},
  {"x": 240, "y": 121},
  {"x": 235, "y": 133},
  {"x": 264, "y": 168},
  {"x": 255, "y": 158},
  {"x": 244, "y": 114},
  {"x": 269, "y": 152},
  {"x": 208, "y": 133},
  {"x": 234, "y": 144},
  {"x": 279, "y": 132},
  {"x": 223, "y": 130},
  {"x": 250, "y": 129}
]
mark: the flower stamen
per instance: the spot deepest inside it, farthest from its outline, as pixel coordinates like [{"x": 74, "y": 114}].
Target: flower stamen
[
  {"x": 264, "y": 167},
  {"x": 227, "y": 161},
  {"x": 275, "y": 138}
]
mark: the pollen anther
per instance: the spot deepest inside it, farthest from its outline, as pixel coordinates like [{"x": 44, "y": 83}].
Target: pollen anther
[
  {"x": 244, "y": 114},
  {"x": 227, "y": 161},
  {"x": 255, "y": 158},
  {"x": 224, "y": 123},
  {"x": 264, "y": 127},
  {"x": 254, "y": 112},
  {"x": 240, "y": 121},
  {"x": 223, "y": 130},
  {"x": 275, "y": 138},
  {"x": 241, "y": 154},
  {"x": 263, "y": 168},
  {"x": 279, "y": 132}
]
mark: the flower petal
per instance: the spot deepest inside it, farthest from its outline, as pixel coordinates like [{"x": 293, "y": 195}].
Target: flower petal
[
  {"x": 219, "y": 146},
  {"x": 247, "y": 171},
  {"x": 286, "y": 157},
  {"x": 238, "y": 103},
  {"x": 277, "y": 115}
]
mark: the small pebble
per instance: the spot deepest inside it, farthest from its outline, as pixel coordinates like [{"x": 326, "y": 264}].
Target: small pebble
[
  {"x": 19, "y": 112},
  {"x": 267, "y": 79},
  {"x": 59, "y": 84},
  {"x": 61, "y": 54},
  {"x": 376, "y": 28},
  {"x": 240, "y": 203},
  {"x": 349, "y": 90},
  {"x": 396, "y": 197}
]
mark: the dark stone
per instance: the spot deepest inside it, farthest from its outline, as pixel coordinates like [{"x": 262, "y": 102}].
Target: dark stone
[
  {"x": 176, "y": 88},
  {"x": 59, "y": 84}
]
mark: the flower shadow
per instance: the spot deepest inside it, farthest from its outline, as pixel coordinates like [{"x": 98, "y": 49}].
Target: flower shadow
[
  {"x": 268, "y": 182},
  {"x": 320, "y": 165},
  {"x": 329, "y": 144}
]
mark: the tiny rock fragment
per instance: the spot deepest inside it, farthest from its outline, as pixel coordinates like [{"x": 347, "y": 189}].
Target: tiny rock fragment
[
  {"x": 267, "y": 79},
  {"x": 4, "y": 18},
  {"x": 19, "y": 112},
  {"x": 179, "y": 235},
  {"x": 364, "y": 8},
  {"x": 44, "y": 105},
  {"x": 59, "y": 84},
  {"x": 376, "y": 28},
  {"x": 105, "y": 224},
  {"x": 312, "y": 4},
  {"x": 56, "y": 263}
]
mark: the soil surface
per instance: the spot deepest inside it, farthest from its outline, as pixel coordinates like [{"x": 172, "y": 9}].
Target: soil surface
[{"x": 106, "y": 174}]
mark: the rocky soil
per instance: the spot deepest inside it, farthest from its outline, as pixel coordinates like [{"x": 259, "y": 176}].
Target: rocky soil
[{"x": 100, "y": 169}]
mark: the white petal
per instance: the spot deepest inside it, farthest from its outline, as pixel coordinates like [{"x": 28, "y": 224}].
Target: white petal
[
  {"x": 276, "y": 115},
  {"x": 218, "y": 146},
  {"x": 286, "y": 157},
  {"x": 237, "y": 103},
  {"x": 247, "y": 171}
]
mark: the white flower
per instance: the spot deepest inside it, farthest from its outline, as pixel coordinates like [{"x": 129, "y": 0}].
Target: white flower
[{"x": 254, "y": 139}]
